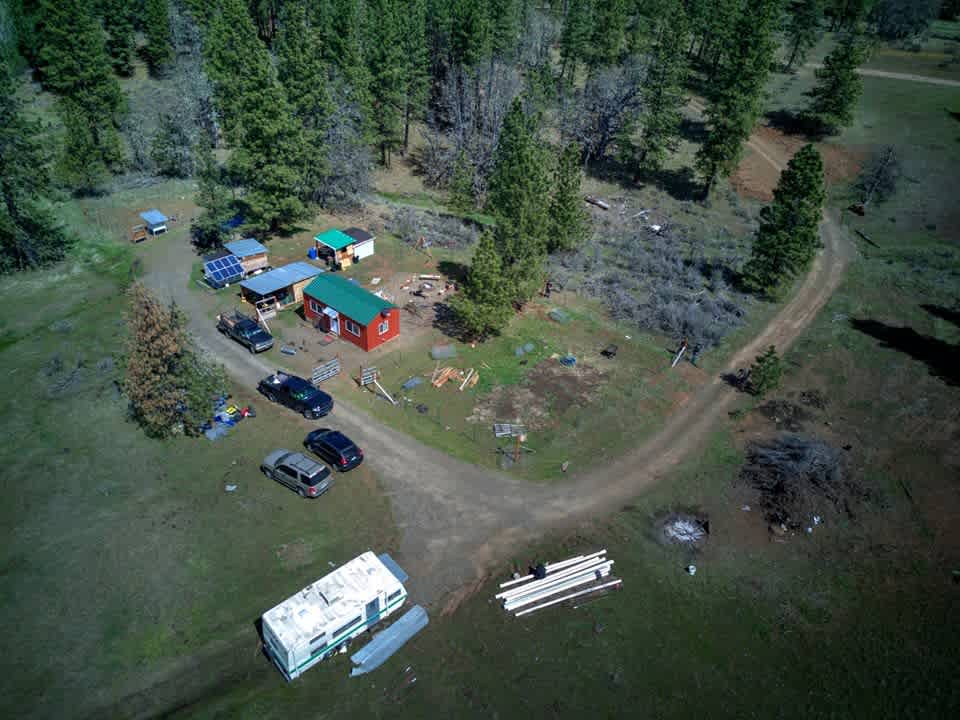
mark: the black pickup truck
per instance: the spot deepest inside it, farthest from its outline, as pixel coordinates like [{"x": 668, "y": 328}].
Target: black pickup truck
[
  {"x": 245, "y": 331},
  {"x": 297, "y": 394}
]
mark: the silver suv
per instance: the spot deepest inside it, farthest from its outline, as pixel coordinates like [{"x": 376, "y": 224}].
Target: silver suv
[{"x": 298, "y": 472}]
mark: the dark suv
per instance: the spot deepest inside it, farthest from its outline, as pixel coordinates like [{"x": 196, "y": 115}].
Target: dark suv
[
  {"x": 298, "y": 472},
  {"x": 335, "y": 448}
]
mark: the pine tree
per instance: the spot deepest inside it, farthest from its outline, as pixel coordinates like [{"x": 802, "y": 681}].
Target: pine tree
[
  {"x": 803, "y": 29},
  {"x": 348, "y": 42},
  {"x": 92, "y": 149},
  {"x": 207, "y": 231},
  {"x": 570, "y": 224},
  {"x": 575, "y": 37},
  {"x": 301, "y": 70},
  {"x": 169, "y": 384},
  {"x": 470, "y": 37},
  {"x": 788, "y": 236},
  {"x": 765, "y": 373},
  {"x": 117, "y": 16},
  {"x": 483, "y": 304},
  {"x": 267, "y": 160},
  {"x": 159, "y": 49},
  {"x": 608, "y": 37},
  {"x": 519, "y": 199},
  {"x": 30, "y": 235},
  {"x": 737, "y": 96},
  {"x": 663, "y": 96},
  {"x": 387, "y": 70},
  {"x": 462, "y": 196},
  {"x": 416, "y": 55},
  {"x": 505, "y": 27},
  {"x": 838, "y": 86}
]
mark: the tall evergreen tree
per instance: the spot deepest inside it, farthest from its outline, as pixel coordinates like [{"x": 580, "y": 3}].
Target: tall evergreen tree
[
  {"x": 788, "y": 236},
  {"x": 387, "y": 70},
  {"x": 156, "y": 19},
  {"x": 505, "y": 26},
  {"x": 30, "y": 235},
  {"x": 570, "y": 224},
  {"x": 416, "y": 69},
  {"x": 608, "y": 37},
  {"x": 462, "y": 196},
  {"x": 575, "y": 37},
  {"x": 301, "y": 70},
  {"x": 803, "y": 29},
  {"x": 519, "y": 198},
  {"x": 470, "y": 32},
  {"x": 348, "y": 42},
  {"x": 838, "y": 86},
  {"x": 214, "y": 197},
  {"x": 117, "y": 17},
  {"x": 663, "y": 96},
  {"x": 736, "y": 99},
  {"x": 483, "y": 304},
  {"x": 170, "y": 149}
]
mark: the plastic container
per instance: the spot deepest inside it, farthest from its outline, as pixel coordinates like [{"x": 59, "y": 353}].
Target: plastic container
[{"x": 312, "y": 253}]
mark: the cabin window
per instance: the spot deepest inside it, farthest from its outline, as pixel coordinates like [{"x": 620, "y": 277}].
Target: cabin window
[
  {"x": 315, "y": 306},
  {"x": 384, "y": 327},
  {"x": 393, "y": 596},
  {"x": 351, "y": 327},
  {"x": 346, "y": 627}
]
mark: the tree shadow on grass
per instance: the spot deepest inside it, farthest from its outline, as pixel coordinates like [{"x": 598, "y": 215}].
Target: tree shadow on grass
[
  {"x": 951, "y": 316},
  {"x": 941, "y": 358},
  {"x": 456, "y": 271},
  {"x": 694, "y": 131},
  {"x": 446, "y": 321},
  {"x": 679, "y": 183},
  {"x": 792, "y": 122}
]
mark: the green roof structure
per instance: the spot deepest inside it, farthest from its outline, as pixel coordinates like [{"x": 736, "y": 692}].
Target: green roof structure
[
  {"x": 334, "y": 239},
  {"x": 347, "y": 298}
]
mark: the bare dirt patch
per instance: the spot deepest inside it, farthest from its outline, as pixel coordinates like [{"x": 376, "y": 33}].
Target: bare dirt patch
[
  {"x": 756, "y": 178},
  {"x": 548, "y": 391}
]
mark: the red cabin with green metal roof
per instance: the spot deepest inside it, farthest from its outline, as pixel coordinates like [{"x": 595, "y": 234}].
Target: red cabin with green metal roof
[{"x": 338, "y": 306}]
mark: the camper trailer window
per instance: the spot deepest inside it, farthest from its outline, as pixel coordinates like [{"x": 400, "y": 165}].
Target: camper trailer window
[
  {"x": 393, "y": 596},
  {"x": 321, "y": 636},
  {"x": 347, "y": 626}
]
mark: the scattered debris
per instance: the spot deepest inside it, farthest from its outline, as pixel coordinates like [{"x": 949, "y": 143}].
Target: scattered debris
[
  {"x": 568, "y": 361},
  {"x": 230, "y": 488},
  {"x": 375, "y": 281},
  {"x": 609, "y": 352},
  {"x": 422, "y": 409},
  {"x": 565, "y": 466},
  {"x": 691, "y": 569},
  {"x": 682, "y": 528},
  {"x": 598, "y": 202},
  {"x": 288, "y": 350},
  {"x": 548, "y": 584}
]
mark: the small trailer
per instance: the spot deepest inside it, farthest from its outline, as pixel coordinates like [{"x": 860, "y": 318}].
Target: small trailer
[{"x": 324, "y": 616}]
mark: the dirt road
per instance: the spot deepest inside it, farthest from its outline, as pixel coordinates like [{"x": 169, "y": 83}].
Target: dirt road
[{"x": 867, "y": 72}]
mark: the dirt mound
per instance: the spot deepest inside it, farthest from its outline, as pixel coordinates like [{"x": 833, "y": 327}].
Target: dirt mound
[{"x": 755, "y": 177}]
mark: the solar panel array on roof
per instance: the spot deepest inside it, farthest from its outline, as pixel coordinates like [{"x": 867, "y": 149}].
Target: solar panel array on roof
[{"x": 223, "y": 271}]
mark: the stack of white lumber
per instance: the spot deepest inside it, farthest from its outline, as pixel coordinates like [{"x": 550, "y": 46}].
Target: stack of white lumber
[{"x": 565, "y": 580}]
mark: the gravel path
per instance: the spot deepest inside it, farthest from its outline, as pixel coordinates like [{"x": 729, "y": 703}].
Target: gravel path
[{"x": 867, "y": 72}]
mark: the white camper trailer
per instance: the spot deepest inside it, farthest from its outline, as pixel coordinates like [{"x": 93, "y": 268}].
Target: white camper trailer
[{"x": 313, "y": 624}]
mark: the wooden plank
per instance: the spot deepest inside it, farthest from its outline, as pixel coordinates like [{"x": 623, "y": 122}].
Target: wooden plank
[{"x": 466, "y": 380}]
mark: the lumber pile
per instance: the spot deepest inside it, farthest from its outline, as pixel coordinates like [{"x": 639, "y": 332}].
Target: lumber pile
[
  {"x": 581, "y": 577},
  {"x": 463, "y": 378}
]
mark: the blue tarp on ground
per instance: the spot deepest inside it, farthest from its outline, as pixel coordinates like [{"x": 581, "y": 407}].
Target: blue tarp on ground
[{"x": 387, "y": 642}]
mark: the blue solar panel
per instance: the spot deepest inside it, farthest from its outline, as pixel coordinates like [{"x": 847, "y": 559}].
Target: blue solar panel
[{"x": 223, "y": 270}]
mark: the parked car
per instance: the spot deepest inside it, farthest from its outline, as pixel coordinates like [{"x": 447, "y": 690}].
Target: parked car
[
  {"x": 297, "y": 394},
  {"x": 298, "y": 472},
  {"x": 334, "y": 448},
  {"x": 245, "y": 330}
]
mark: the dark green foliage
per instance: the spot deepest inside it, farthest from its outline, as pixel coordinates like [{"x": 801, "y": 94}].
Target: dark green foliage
[
  {"x": 470, "y": 32},
  {"x": 156, "y": 28},
  {"x": 519, "y": 199},
  {"x": 214, "y": 197},
  {"x": 171, "y": 386},
  {"x": 803, "y": 29},
  {"x": 170, "y": 149},
  {"x": 462, "y": 196},
  {"x": 483, "y": 304},
  {"x": 788, "y": 236},
  {"x": 765, "y": 373},
  {"x": 416, "y": 58},
  {"x": 949, "y": 9},
  {"x": 30, "y": 236},
  {"x": 505, "y": 26},
  {"x": 847, "y": 13},
  {"x": 898, "y": 19},
  {"x": 387, "y": 72},
  {"x": 302, "y": 72},
  {"x": 117, "y": 18},
  {"x": 575, "y": 38},
  {"x": 569, "y": 222},
  {"x": 838, "y": 86},
  {"x": 608, "y": 36},
  {"x": 92, "y": 149},
  {"x": 663, "y": 92},
  {"x": 737, "y": 95}
]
